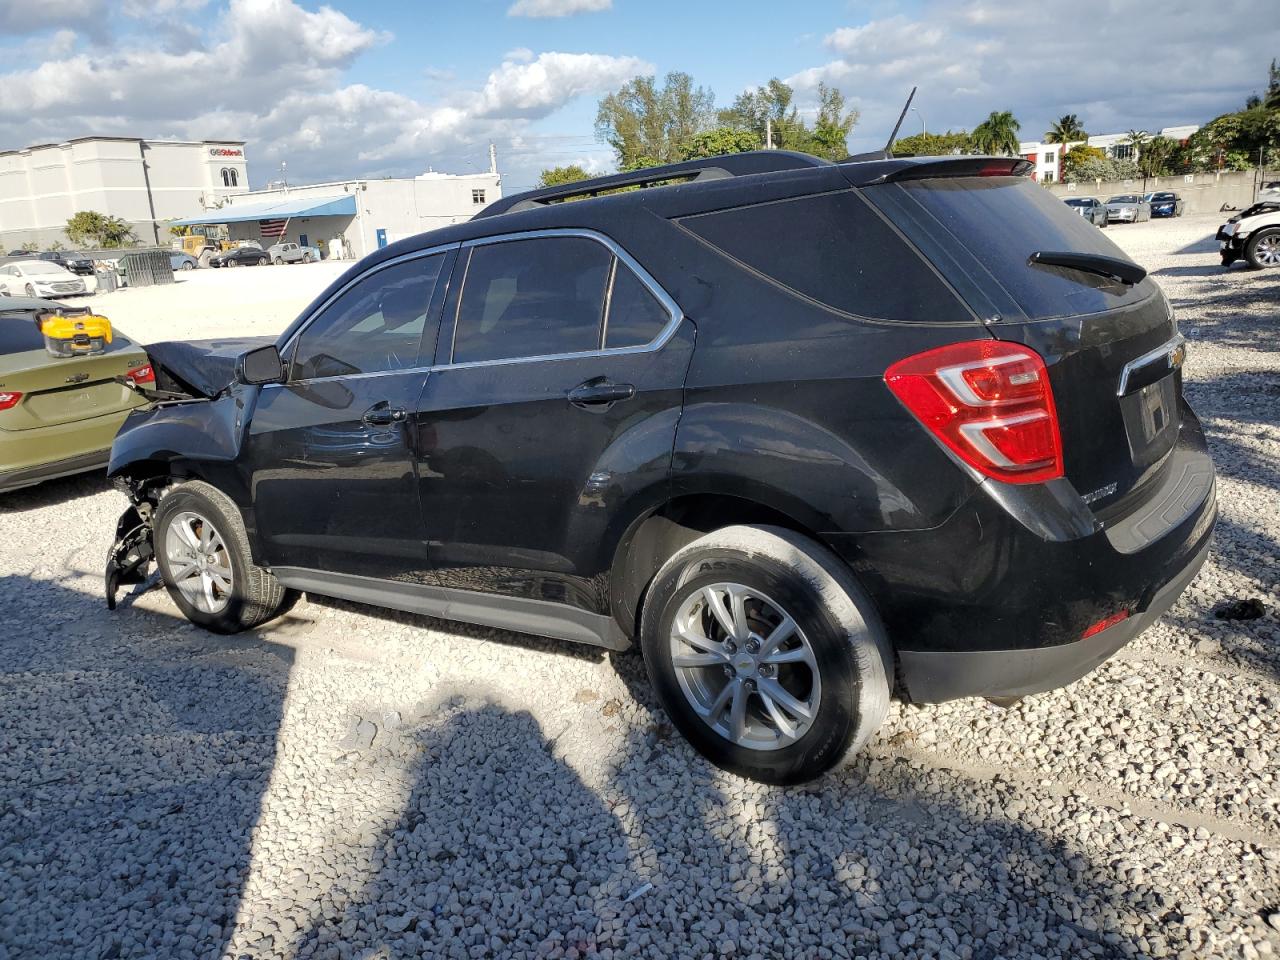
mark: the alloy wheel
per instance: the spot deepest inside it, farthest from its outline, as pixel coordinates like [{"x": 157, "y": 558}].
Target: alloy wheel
[
  {"x": 745, "y": 666},
  {"x": 199, "y": 564},
  {"x": 1268, "y": 250}
]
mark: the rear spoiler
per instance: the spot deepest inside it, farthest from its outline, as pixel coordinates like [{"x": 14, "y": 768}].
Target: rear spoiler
[{"x": 864, "y": 173}]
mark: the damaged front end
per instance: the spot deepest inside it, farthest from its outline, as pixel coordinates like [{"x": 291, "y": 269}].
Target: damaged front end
[{"x": 194, "y": 425}]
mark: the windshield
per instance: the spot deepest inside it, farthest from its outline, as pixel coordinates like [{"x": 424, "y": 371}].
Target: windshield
[
  {"x": 1163, "y": 196},
  {"x": 1077, "y": 203},
  {"x": 988, "y": 227},
  {"x": 36, "y": 269},
  {"x": 1124, "y": 198}
]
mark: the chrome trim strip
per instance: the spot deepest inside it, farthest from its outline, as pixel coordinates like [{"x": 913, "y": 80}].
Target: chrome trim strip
[{"x": 1165, "y": 351}]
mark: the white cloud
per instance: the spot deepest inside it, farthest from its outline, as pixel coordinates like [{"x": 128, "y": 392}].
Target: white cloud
[
  {"x": 18, "y": 17},
  {"x": 556, "y": 8},
  {"x": 970, "y": 57},
  {"x": 277, "y": 72}
]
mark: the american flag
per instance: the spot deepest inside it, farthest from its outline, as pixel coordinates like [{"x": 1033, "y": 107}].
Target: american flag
[{"x": 271, "y": 229}]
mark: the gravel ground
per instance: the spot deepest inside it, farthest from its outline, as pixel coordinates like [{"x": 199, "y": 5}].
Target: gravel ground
[{"x": 348, "y": 782}]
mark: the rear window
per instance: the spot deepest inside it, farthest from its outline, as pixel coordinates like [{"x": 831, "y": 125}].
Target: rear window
[
  {"x": 981, "y": 231},
  {"x": 835, "y": 249},
  {"x": 19, "y": 334}
]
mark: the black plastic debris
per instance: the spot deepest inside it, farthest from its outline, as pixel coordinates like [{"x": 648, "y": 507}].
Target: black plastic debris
[{"x": 1237, "y": 609}]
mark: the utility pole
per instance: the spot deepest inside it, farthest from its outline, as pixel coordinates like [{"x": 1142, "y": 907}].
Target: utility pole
[{"x": 768, "y": 133}]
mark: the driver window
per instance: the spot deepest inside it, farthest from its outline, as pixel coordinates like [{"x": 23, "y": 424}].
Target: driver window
[{"x": 376, "y": 326}]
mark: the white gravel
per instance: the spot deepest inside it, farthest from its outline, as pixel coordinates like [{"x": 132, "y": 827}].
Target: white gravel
[{"x": 353, "y": 783}]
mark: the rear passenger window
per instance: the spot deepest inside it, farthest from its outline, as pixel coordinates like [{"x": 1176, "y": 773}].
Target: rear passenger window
[
  {"x": 635, "y": 315},
  {"x": 532, "y": 298},
  {"x": 834, "y": 249}
]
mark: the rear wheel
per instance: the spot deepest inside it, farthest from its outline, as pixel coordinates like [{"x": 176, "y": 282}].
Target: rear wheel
[
  {"x": 232, "y": 262},
  {"x": 1263, "y": 248},
  {"x": 188, "y": 265},
  {"x": 306, "y": 258},
  {"x": 203, "y": 553},
  {"x": 277, "y": 261},
  {"x": 262, "y": 261},
  {"x": 765, "y": 652}
]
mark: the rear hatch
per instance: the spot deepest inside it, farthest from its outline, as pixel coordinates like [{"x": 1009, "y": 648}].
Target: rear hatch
[
  {"x": 55, "y": 391},
  {"x": 980, "y": 232}
]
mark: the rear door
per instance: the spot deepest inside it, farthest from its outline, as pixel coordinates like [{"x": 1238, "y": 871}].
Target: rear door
[
  {"x": 1112, "y": 350},
  {"x": 553, "y": 404}
]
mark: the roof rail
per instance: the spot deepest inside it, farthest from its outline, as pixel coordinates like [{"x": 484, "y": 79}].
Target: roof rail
[{"x": 711, "y": 168}]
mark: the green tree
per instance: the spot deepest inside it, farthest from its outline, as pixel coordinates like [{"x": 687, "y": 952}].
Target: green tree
[
  {"x": 718, "y": 142},
  {"x": 829, "y": 137},
  {"x": 1156, "y": 159},
  {"x": 101, "y": 230},
  {"x": 1082, "y": 164},
  {"x": 762, "y": 108},
  {"x": 1272, "y": 99},
  {"x": 30, "y": 246},
  {"x": 998, "y": 134},
  {"x": 645, "y": 122},
  {"x": 56, "y": 246},
  {"x": 932, "y": 145},
  {"x": 1066, "y": 129},
  {"x": 557, "y": 176}
]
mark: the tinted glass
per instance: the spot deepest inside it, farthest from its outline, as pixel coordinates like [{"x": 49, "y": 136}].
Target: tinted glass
[
  {"x": 376, "y": 325},
  {"x": 1000, "y": 222},
  {"x": 19, "y": 334},
  {"x": 532, "y": 298},
  {"x": 635, "y": 315},
  {"x": 1164, "y": 196},
  {"x": 834, "y": 249}
]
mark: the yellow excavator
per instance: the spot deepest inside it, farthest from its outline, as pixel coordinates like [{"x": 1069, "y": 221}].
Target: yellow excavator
[{"x": 203, "y": 241}]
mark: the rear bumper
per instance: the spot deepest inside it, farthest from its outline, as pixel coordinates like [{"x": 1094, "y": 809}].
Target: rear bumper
[
  {"x": 932, "y": 677},
  {"x": 30, "y": 476}
]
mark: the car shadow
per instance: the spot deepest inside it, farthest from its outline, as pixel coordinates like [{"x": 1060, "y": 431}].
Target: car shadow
[{"x": 137, "y": 749}]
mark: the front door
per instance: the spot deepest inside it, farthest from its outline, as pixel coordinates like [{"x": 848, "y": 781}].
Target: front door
[
  {"x": 553, "y": 405},
  {"x": 333, "y": 479}
]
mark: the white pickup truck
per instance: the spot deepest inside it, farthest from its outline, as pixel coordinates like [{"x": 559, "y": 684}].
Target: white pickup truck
[{"x": 292, "y": 253}]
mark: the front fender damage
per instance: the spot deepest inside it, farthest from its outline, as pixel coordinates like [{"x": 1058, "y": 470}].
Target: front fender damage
[{"x": 131, "y": 556}]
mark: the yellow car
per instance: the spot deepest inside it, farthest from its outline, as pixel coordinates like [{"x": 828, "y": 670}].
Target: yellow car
[{"x": 62, "y": 396}]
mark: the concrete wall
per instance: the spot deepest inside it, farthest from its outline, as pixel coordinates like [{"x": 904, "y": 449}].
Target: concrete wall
[{"x": 1203, "y": 192}]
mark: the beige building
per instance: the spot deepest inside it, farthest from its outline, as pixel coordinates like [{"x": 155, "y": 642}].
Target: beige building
[{"x": 145, "y": 182}]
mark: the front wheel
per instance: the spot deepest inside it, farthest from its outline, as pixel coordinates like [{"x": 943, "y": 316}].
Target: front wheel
[
  {"x": 277, "y": 261},
  {"x": 262, "y": 261},
  {"x": 1263, "y": 248},
  {"x": 203, "y": 553},
  {"x": 306, "y": 258},
  {"x": 30, "y": 290},
  {"x": 766, "y": 653}
]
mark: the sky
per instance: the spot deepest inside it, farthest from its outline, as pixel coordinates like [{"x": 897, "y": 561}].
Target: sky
[{"x": 396, "y": 87}]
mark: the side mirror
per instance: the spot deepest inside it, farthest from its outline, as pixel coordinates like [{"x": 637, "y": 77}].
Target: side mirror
[{"x": 262, "y": 365}]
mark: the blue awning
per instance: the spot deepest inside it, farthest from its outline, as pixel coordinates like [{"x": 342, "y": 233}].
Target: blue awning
[{"x": 281, "y": 209}]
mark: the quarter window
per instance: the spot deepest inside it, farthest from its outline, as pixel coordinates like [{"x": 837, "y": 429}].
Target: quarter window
[
  {"x": 377, "y": 325},
  {"x": 635, "y": 315},
  {"x": 531, "y": 298}
]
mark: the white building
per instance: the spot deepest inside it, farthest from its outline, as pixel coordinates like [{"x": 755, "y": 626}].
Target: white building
[
  {"x": 145, "y": 182},
  {"x": 363, "y": 214},
  {"x": 1048, "y": 156}
]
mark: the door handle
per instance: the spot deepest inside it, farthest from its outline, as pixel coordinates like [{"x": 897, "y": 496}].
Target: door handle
[
  {"x": 600, "y": 392},
  {"x": 383, "y": 415}
]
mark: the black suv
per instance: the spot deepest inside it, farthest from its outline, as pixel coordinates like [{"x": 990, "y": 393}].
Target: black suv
[{"x": 812, "y": 433}]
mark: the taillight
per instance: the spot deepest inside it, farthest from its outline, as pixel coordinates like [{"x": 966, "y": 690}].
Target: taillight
[
  {"x": 990, "y": 402},
  {"x": 142, "y": 375},
  {"x": 9, "y": 399}
]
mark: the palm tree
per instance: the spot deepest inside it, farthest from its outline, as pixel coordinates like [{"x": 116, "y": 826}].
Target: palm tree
[
  {"x": 1066, "y": 129},
  {"x": 998, "y": 134},
  {"x": 1137, "y": 139}
]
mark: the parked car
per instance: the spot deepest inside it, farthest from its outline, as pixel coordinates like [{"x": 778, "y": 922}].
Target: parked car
[
  {"x": 771, "y": 425},
  {"x": 1270, "y": 190},
  {"x": 1128, "y": 208},
  {"x": 1091, "y": 208},
  {"x": 1165, "y": 204},
  {"x": 292, "y": 253},
  {"x": 240, "y": 256},
  {"x": 59, "y": 414},
  {"x": 39, "y": 278},
  {"x": 183, "y": 261},
  {"x": 1252, "y": 235},
  {"x": 72, "y": 261}
]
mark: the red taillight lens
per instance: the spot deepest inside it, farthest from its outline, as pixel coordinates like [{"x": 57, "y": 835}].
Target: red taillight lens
[
  {"x": 988, "y": 401},
  {"x": 9, "y": 399},
  {"x": 142, "y": 375}
]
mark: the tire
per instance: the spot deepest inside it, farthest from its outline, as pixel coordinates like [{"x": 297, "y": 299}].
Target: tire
[
  {"x": 838, "y": 666},
  {"x": 188, "y": 265},
  {"x": 262, "y": 261},
  {"x": 1263, "y": 248},
  {"x": 223, "y": 603},
  {"x": 276, "y": 262},
  {"x": 232, "y": 263},
  {"x": 306, "y": 258},
  {"x": 30, "y": 290}
]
